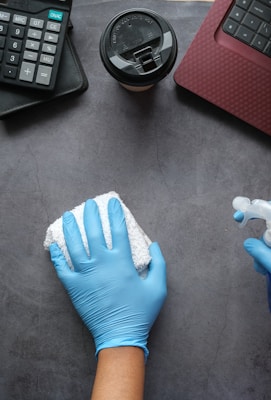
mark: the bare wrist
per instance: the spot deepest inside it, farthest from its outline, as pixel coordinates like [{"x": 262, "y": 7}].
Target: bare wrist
[{"x": 120, "y": 374}]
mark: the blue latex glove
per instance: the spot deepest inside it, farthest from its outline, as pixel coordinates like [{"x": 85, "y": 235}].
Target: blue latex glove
[
  {"x": 118, "y": 307},
  {"x": 261, "y": 254},
  {"x": 257, "y": 249}
]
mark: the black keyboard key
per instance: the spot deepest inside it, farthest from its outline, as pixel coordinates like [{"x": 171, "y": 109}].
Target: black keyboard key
[
  {"x": 252, "y": 22},
  {"x": 13, "y": 58},
  {"x": 259, "y": 42},
  {"x": 2, "y": 42},
  {"x": 267, "y": 50},
  {"x": 265, "y": 30},
  {"x": 237, "y": 14},
  {"x": 266, "y": 2},
  {"x": 17, "y": 31},
  {"x": 3, "y": 28},
  {"x": 230, "y": 27},
  {"x": 10, "y": 72},
  {"x": 244, "y": 34},
  {"x": 244, "y": 4},
  {"x": 261, "y": 11},
  {"x": 15, "y": 45}
]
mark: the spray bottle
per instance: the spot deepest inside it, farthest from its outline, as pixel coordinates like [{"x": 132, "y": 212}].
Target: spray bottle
[{"x": 260, "y": 209}]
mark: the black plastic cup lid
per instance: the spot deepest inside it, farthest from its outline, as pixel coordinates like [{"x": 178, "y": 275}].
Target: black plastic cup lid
[{"x": 138, "y": 47}]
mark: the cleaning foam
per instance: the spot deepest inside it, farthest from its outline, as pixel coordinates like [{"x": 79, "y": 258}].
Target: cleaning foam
[{"x": 139, "y": 241}]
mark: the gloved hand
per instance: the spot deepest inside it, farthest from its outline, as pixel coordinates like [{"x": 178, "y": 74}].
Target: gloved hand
[
  {"x": 261, "y": 253},
  {"x": 257, "y": 249},
  {"x": 118, "y": 307}
]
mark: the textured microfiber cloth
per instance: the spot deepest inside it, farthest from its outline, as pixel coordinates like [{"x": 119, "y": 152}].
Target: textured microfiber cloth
[{"x": 139, "y": 241}]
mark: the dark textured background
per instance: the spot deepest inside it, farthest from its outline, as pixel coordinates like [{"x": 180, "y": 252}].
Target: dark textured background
[{"x": 177, "y": 162}]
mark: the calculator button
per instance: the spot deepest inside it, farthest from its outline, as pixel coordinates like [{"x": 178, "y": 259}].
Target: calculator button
[
  {"x": 32, "y": 45},
  {"x": 36, "y": 23},
  {"x": 27, "y": 72},
  {"x": 34, "y": 34},
  {"x": 10, "y": 72},
  {"x": 3, "y": 29},
  {"x": 4, "y": 16},
  {"x": 17, "y": 31},
  {"x": 51, "y": 37},
  {"x": 19, "y": 19},
  {"x": 55, "y": 15},
  {"x": 30, "y": 55},
  {"x": 15, "y": 45},
  {"x": 1, "y": 55},
  {"x": 46, "y": 59},
  {"x": 13, "y": 58},
  {"x": 53, "y": 26},
  {"x": 44, "y": 75},
  {"x": 49, "y": 48},
  {"x": 2, "y": 42}
]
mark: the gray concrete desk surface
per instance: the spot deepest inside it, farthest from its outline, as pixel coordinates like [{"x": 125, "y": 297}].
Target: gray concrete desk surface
[{"x": 177, "y": 162}]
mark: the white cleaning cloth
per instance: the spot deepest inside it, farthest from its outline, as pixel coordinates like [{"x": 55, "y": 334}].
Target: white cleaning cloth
[{"x": 139, "y": 241}]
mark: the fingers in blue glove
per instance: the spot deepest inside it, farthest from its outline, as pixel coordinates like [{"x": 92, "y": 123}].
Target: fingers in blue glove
[
  {"x": 238, "y": 216},
  {"x": 59, "y": 261},
  {"x": 120, "y": 238},
  {"x": 249, "y": 245},
  {"x": 93, "y": 228},
  {"x": 157, "y": 270},
  {"x": 260, "y": 253},
  {"x": 74, "y": 242},
  {"x": 118, "y": 228}
]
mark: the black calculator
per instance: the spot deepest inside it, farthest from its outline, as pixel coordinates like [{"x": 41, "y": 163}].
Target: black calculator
[{"x": 32, "y": 35}]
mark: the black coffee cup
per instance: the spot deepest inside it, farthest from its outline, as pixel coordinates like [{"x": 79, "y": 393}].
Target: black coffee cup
[{"x": 138, "y": 48}]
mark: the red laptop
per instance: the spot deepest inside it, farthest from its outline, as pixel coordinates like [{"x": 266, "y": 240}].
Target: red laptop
[{"x": 229, "y": 61}]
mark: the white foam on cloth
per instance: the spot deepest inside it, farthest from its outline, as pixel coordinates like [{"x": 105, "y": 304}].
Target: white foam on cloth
[{"x": 139, "y": 241}]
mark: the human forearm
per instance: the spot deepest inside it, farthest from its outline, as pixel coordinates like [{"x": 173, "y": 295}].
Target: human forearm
[{"x": 120, "y": 374}]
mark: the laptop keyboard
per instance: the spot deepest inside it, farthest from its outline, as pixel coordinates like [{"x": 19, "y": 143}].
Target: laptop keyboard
[{"x": 250, "y": 22}]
